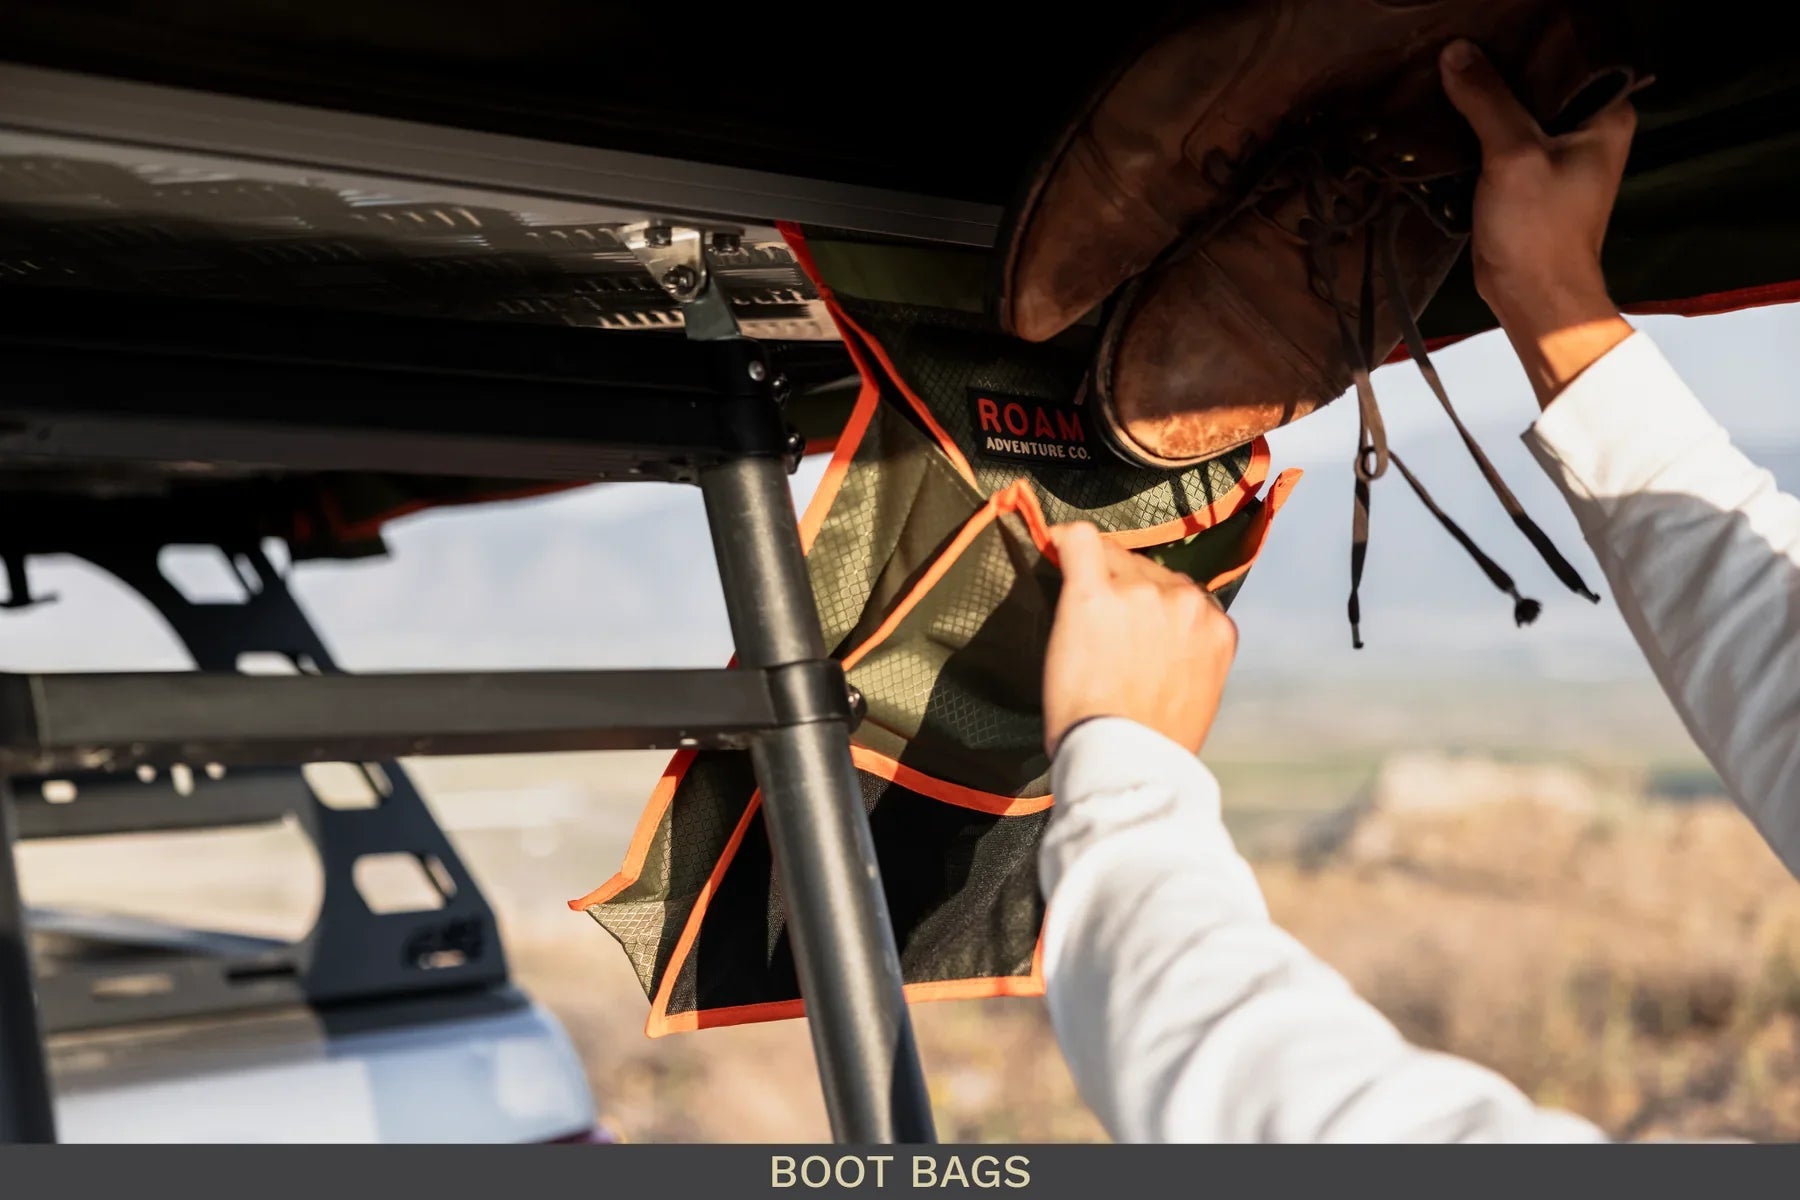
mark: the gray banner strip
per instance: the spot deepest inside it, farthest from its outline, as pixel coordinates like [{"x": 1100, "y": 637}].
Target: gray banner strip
[{"x": 728, "y": 1172}]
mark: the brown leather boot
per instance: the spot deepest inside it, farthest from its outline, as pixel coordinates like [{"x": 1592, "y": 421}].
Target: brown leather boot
[
  {"x": 1255, "y": 320},
  {"x": 1343, "y": 227},
  {"x": 1139, "y": 168}
]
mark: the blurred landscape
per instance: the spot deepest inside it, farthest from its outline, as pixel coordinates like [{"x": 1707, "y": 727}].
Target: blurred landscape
[
  {"x": 1603, "y": 929},
  {"x": 1504, "y": 838}
]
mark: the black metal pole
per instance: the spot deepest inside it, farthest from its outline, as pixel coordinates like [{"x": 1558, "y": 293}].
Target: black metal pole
[
  {"x": 25, "y": 1112},
  {"x": 844, "y": 947}
]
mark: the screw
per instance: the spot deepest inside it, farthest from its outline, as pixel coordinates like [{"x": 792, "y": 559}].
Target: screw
[
  {"x": 859, "y": 706},
  {"x": 758, "y": 372},
  {"x": 658, "y": 235},
  {"x": 796, "y": 449},
  {"x": 681, "y": 280},
  {"x": 727, "y": 243},
  {"x": 778, "y": 388}
]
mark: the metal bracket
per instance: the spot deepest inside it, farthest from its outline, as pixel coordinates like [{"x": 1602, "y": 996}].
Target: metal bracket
[
  {"x": 350, "y": 951},
  {"x": 814, "y": 690},
  {"x": 675, "y": 256}
]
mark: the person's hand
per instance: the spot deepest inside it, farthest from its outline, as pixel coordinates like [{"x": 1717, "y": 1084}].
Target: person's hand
[
  {"x": 1541, "y": 210},
  {"x": 1132, "y": 639}
]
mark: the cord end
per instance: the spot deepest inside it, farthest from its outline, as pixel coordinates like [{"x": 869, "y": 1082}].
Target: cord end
[{"x": 1526, "y": 610}]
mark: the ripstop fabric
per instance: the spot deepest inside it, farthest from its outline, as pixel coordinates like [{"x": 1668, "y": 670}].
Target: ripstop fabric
[{"x": 928, "y": 551}]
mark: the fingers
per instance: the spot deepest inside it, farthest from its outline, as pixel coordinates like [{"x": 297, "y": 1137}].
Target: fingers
[
  {"x": 1501, "y": 123},
  {"x": 1613, "y": 127},
  {"x": 1081, "y": 553},
  {"x": 1090, "y": 560}
]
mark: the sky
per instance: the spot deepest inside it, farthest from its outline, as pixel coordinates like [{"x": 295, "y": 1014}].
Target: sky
[{"x": 621, "y": 575}]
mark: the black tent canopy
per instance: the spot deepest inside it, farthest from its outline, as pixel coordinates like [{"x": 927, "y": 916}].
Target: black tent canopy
[{"x": 932, "y": 100}]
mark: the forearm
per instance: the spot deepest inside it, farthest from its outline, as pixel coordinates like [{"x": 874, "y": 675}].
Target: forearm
[
  {"x": 1702, "y": 552},
  {"x": 1559, "y": 326},
  {"x": 1186, "y": 1015}
]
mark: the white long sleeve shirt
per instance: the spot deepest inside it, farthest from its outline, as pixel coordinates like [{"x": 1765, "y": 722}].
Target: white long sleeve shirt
[{"x": 1186, "y": 1015}]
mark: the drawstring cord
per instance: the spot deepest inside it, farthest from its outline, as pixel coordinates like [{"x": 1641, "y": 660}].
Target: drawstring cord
[
  {"x": 1415, "y": 345},
  {"x": 1323, "y": 228}
]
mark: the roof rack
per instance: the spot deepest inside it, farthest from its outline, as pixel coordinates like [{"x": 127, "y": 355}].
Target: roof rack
[{"x": 256, "y": 390}]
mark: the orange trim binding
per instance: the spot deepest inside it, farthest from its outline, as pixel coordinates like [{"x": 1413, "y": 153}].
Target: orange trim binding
[
  {"x": 861, "y": 413},
  {"x": 1132, "y": 539},
  {"x": 661, "y": 1022},
  {"x": 1019, "y": 498},
  {"x": 943, "y": 791},
  {"x": 1225, "y": 506},
  {"x": 1258, "y": 534},
  {"x": 986, "y": 988},
  {"x": 642, "y": 835},
  {"x": 690, "y": 929},
  {"x": 951, "y": 450}
]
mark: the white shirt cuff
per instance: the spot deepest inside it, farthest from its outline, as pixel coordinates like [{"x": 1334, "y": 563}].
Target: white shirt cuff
[
  {"x": 1621, "y": 424},
  {"x": 1107, "y": 755}
]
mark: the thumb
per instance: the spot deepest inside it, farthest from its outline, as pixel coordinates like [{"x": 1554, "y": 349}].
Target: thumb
[
  {"x": 1081, "y": 555},
  {"x": 1484, "y": 100}
]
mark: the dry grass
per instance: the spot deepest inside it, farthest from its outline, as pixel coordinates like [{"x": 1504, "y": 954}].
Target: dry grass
[{"x": 1642, "y": 969}]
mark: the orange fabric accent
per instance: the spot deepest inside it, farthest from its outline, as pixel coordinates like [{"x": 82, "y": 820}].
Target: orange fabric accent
[
  {"x": 1189, "y": 524},
  {"x": 659, "y": 1006},
  {"x": 1017, "y": 498},
  {"x": 1133, "y": 539},
  {"x": 861, "y": 413},
  {"x": 951, "y": 450},
  {"x": 1259, "y": 532},
  {"x": 642, "y": 835},
  {"x": 916, "y": 993},
  {"x": 883, "y": 767},
  {"x": 660, "y": 1022}
]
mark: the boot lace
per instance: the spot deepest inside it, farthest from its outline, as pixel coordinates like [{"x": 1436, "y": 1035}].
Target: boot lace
[{"x": 1346, "y": 198}]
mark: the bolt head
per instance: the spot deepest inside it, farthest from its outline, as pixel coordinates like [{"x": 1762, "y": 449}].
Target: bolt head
[
  {"x": 658, "y": 235},
  {"x": 681, "y": 280},
  {"x": 727, "y": 243},
  {"x": 758, "y": 372},
  {"x": 859, "y": 705}
]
